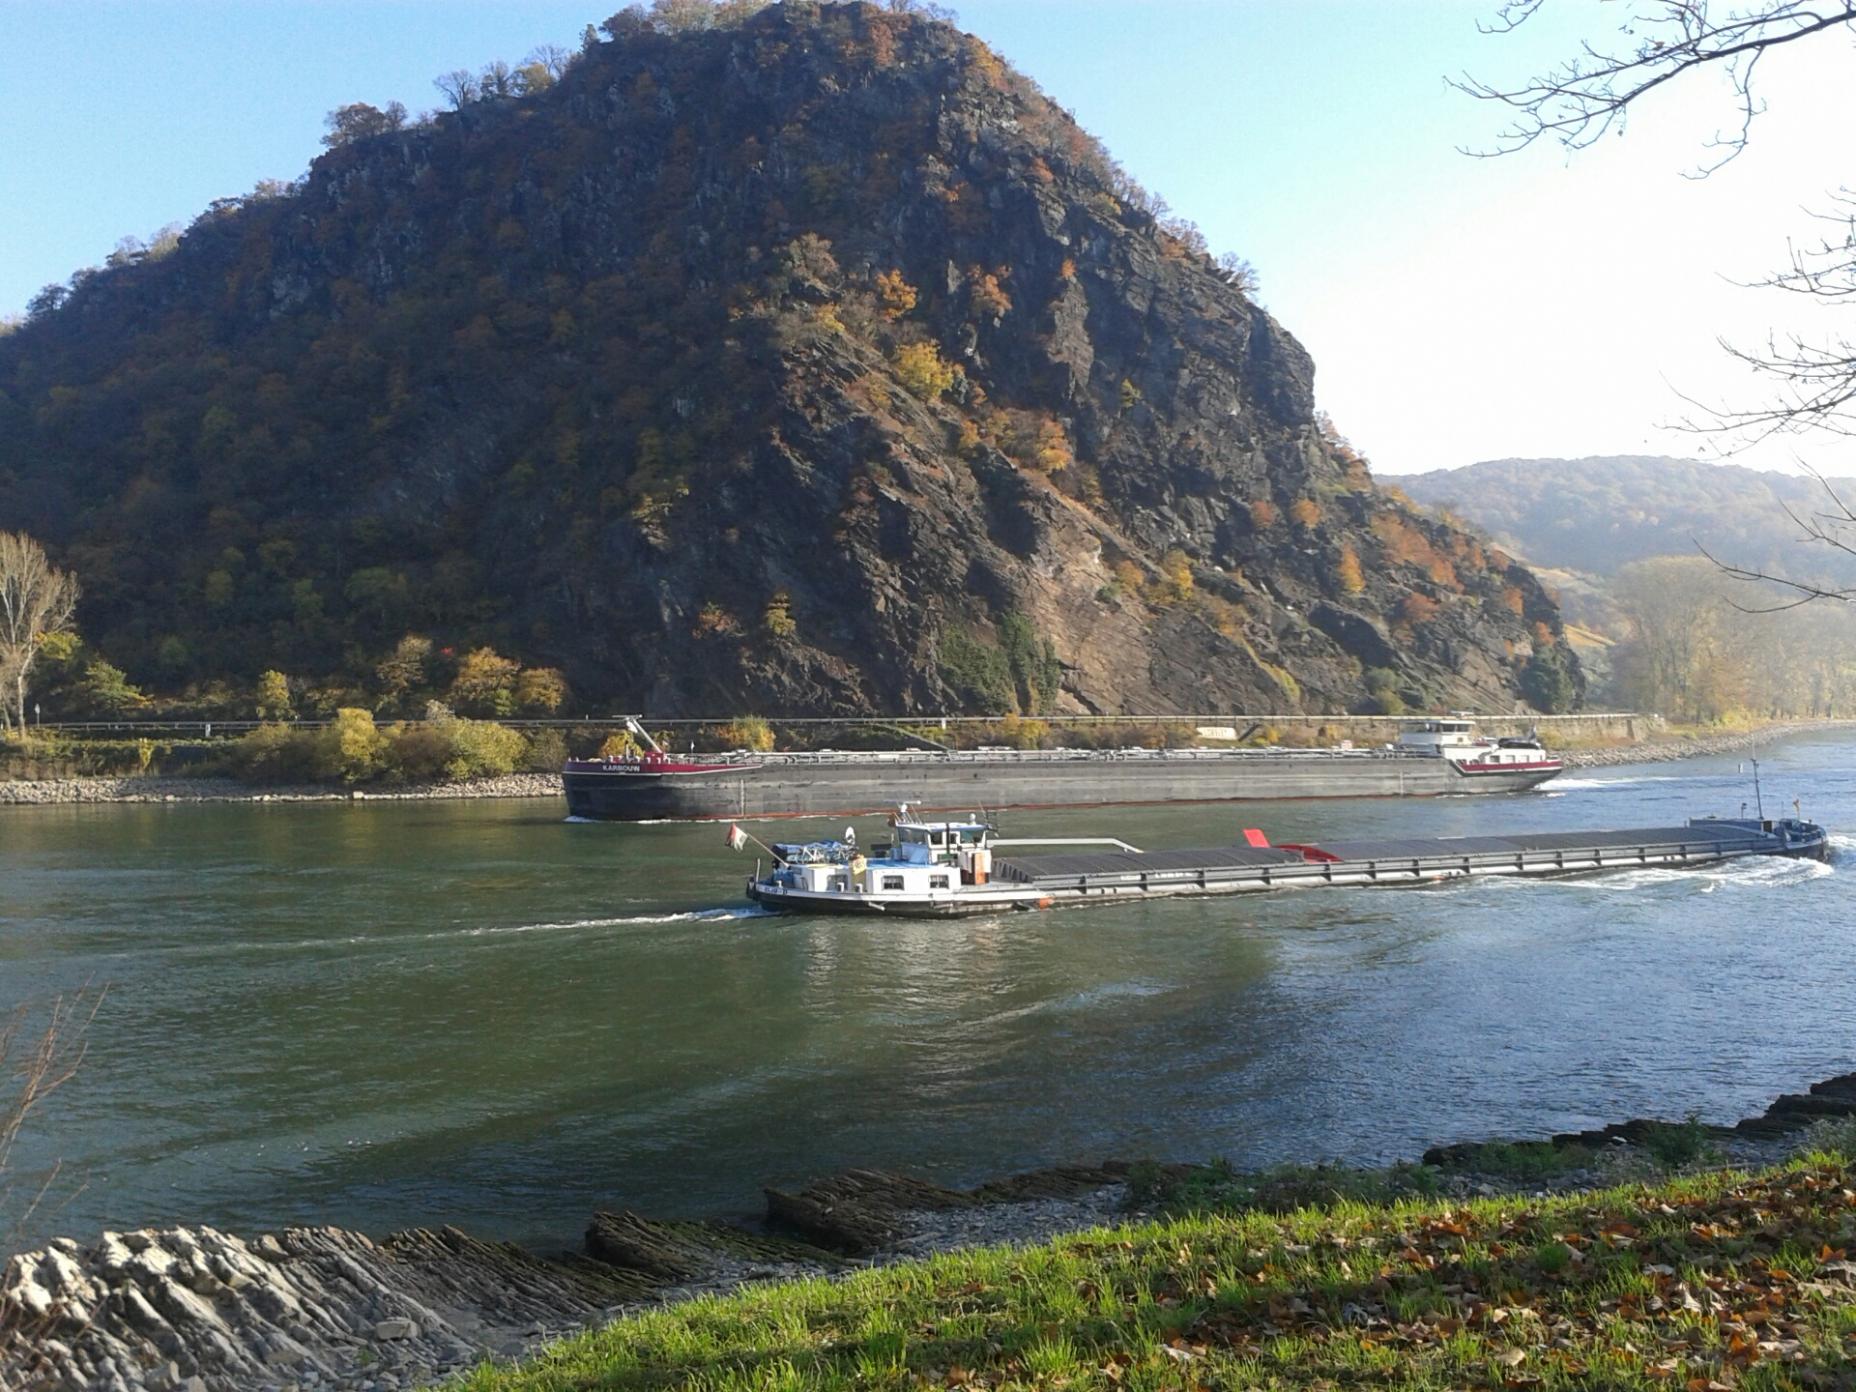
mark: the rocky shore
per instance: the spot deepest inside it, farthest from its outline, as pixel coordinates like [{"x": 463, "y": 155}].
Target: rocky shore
[
  {"x": 197, "y": 1310},
  {"x": 1657, "y": 751},
  {"x": 130, "y": 788}
]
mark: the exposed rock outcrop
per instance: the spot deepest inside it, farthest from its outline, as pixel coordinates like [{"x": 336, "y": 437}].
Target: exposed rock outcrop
[
  {"x": 197, "y": 1310},
  {"x": 816, "y": 364}
]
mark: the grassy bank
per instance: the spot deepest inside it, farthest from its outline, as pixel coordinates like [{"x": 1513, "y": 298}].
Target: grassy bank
[{"x": 1709, "y": 1282}]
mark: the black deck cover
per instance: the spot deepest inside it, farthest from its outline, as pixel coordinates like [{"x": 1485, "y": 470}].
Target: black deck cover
[
  {"x": 1408, "y": 848},
  {"x": 1037, "y": 868},
  {"x": 1065, "y": 867}
]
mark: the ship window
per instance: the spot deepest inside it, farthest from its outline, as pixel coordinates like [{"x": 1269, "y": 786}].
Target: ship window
[
  {"x": 937, "y": 882},
  {"x": 973, "y": 835},
  {"x": 892, "y": 882}
]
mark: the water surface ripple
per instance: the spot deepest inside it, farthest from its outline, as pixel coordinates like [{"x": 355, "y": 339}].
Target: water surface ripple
[{"x": 380, "y": 1015}]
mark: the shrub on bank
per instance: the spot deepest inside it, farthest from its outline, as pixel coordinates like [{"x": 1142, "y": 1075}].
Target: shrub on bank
[{"x": 352, "y": 749}]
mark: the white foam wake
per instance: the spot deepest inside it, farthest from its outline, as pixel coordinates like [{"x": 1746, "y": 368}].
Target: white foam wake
[{"x": 721, "y": 915}]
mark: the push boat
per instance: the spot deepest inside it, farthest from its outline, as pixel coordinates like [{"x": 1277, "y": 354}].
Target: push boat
[
  {"x": 947, "y": 869},
  {"x": 1435, "y": 757}
]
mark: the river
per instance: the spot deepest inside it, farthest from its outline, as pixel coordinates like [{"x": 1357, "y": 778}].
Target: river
[{"x": 382, "y": 1015}]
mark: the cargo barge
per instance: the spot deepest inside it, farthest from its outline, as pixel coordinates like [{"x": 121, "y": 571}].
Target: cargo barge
[
  {"x": 957, "y": 868},
  {"x": 1439, "y": 757}
]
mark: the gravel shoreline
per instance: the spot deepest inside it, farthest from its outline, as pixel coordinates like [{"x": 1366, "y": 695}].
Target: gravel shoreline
[
  {"x": 159, "y": 788},
  {"x": 1657, "y": 751}
]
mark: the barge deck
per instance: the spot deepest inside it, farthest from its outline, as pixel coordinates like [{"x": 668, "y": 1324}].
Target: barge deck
[{"x": 959, "y": 875}]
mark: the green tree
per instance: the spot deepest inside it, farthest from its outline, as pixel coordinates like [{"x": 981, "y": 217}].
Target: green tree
[
  {"x": 406, "y": 669},
  {"x": 105, "y": 689},
  {"x": 1546, "y": 682},
  {"x": 358, "y": 121}
]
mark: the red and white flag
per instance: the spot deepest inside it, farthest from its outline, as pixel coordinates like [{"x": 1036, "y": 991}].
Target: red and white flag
[{"x": 737, "y": 838}]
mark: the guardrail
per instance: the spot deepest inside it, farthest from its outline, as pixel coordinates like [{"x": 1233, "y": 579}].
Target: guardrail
[{"x": 207, "y": 728}]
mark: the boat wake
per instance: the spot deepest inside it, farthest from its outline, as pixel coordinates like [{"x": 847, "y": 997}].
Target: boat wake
[
  {"x": 719, "y": 915},
  {"x": 1764, "y": 872},
  {"x": 1563, "y": 784}
]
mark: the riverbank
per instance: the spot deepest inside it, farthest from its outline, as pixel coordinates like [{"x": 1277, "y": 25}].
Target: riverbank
[
  {"x": 156, "y": 788},
  {"x": 159, "y": 788},
  {"x": 1694, "y": 746},
  {"x": 196, "y": 1310}
]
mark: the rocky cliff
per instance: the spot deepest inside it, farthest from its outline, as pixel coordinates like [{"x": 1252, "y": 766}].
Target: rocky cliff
[{"x": 813, "y": 363}]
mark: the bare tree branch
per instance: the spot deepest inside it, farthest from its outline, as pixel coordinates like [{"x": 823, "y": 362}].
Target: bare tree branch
[
  {"x": 1660, "y": 41},
  {"x": 1583, "y": 98}
]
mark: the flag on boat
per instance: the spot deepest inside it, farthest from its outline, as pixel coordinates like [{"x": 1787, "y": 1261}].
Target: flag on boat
[{"x": 737, "y": 838}]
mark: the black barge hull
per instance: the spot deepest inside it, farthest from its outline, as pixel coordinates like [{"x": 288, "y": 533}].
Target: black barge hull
[{"x": 799, "y": 786}]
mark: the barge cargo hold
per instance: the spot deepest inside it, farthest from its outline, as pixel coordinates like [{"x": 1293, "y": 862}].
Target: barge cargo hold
[
  {"x": 1439, "y": 757},
  {"x": 953, "y": 869}
]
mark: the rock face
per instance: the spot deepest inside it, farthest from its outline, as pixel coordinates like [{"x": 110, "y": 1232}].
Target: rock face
[
  {"x": 195, "y": 1310},
  {"x": 815, "y": 364}
]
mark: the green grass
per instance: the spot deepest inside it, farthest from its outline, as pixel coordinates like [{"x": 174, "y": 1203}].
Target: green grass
[
  {"x": 1218, "y": 1188},
  {"x": 1717, "y": 1279},
  {"x": 1530, "y": 1160}
]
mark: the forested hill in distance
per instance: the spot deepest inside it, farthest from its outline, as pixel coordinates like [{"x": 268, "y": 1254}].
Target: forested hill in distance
[
  {"x": 1602, "y": 513},
  {"x": 795, "y": 359}
]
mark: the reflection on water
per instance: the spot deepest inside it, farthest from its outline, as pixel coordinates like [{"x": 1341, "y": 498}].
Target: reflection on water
[{"x": 382, "y": 1014}]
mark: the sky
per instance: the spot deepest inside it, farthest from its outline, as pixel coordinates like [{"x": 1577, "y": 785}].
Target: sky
[{"x": 1544, "y": 304}]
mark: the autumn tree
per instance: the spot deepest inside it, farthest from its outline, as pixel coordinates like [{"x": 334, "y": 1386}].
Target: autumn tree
[
  {"x": 1682, "y": 656},
  {"x": 896, "y": 296},
  {"x": 540, "y": 689},
  {"x": 272, "y": 701},
  {"x": 485, "y": 683},
  {"x": 1175, "y": 577},
  {"x": 986, "y": 294},
  {"x": 921, "y": 368},
  {"x": 37, "y": 600},
  {"x": 778, "y": 619},
  {"x": 352, "y": 748},
  {"x": 405, "y": 669},
  {"x": 1347, "y": 572}
]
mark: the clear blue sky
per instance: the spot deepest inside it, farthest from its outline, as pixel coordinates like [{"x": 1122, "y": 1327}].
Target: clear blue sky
[{"x": 1457, "y": 309}]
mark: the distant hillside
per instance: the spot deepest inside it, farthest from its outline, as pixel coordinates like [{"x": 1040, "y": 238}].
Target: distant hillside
[
  {"x": 1596, "y": 515},
  {"x": 800, "y": 360}
]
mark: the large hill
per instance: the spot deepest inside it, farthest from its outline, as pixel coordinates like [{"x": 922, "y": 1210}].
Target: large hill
[
  {"x": 1601, "y": 513},
  {"x": 811, "y": 361}
]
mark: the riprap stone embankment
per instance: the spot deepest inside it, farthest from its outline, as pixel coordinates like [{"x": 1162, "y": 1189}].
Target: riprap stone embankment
[
  {"x": 131, "y": 788},
  {"x": 1659, "y": 750}
]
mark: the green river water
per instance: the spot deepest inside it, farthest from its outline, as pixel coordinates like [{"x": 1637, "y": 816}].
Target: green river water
[{"x": 396, "y": 1014}]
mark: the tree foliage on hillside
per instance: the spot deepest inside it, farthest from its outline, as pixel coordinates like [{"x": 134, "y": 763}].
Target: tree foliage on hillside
[
  {"x": 1692, "y": 653},
  {"x": 1598, "y": 514},
  {"x": 736, "y": 350}
]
